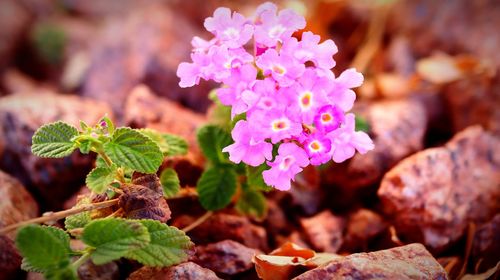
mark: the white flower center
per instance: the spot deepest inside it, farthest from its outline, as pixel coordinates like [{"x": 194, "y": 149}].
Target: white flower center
[
  {"x": 232, "y": 33},
  {"x": 280, "y": 124},
  {"x": 276, "y": 31},
  {"x": 306, "y": 100}
]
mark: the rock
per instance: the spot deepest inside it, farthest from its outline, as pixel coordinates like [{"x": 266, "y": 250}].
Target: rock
[
  {"x": 16, "y": 204},
  {"x": 434, "y": 194},
  {"x": 223, "y": 226},
  {"x": 276, "y": 221},
  {"x": 397, "y": 128},
  {"x": 486, "y": 245},
  {"x": 10, "y": 260},
  {"x": 226, "y": 257},
  {"x": 324, "y": 231},
  {"x": 145, "y": 110},
  {"x": 144, "y": 46},
  {"x": 14, "y": 23},
  {"x": 90, "y": 271},
  {"x": 183, "y": 271},
  {"x": 363, "y": 226},
  {"x": 53, "y": 180},
  {"x": 406, "y": 262}
]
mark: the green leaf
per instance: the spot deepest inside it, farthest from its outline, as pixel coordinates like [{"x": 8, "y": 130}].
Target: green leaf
[
  {"x": 361, "y": 124},
  {"x": 85, "y": 146},
  {"x": 255, "y": 179},
  {"x": 252, "y": 202},
  {"x": 99, "y": 178},
  {"x": 216, "y": 187},
  {"x": 176, "y": 145},
  {"x": 65, "y": 273},
  {"x": 133, "y": 149},
  {"x": 170, "y": 182},
  {"x": 78, "y": 220},
  {"x": 109, "y": 124},
  {"x": 168, "y": 245},
  {"x": 170, "y": 145},
  {"x": 44, "y": 248},
  {"x": 212, "y": 140},
  {"x": 54, "y": 140},
  {"x": 113, "y": 238}
]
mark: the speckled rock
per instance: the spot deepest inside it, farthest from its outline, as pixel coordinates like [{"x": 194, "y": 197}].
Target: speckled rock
[
  {"x": 434, "y": 194},
  {"x": 363, "y": 225},
  {"x": 183, "y": 271},
  {"x": 324, "y": 231},
  {"x": 407, "y": 262}
]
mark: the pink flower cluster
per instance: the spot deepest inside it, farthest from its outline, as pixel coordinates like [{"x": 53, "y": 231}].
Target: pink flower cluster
[{"x": 287, "y": 90}]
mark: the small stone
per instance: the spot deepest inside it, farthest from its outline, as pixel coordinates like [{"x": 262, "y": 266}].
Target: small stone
[
  {"x": 226, "y": 257},
  {"x": 486, "y": 245},
  {"x": 324, "y": 231},
  {"x": 406, "y": 262},
  {"x": 433, "y": 195},
  {"x": 183, "y": 271},
  {"x": 363, "y": 226}
]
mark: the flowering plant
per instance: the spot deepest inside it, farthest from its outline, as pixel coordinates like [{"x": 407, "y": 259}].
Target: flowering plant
[{"x": 285, "y": 94}]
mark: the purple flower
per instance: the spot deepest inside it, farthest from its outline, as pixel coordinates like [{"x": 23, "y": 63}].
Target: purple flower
[
  {"x": 274, "y": 124},
  {"x": 238, "y": 93},
  {"x": 283, "y": 68},
  {"x": 232, "y": 31},
  {"x": 309, "y": 49},
  {"x": 307, "y": 95},
  {"x": 345, "y": 141},
  {"x": 224, "y": 60},
  {"x": 245, "y": 148},
  {"x": 190, "y": 73},
  {"x": 201, "y": 45},
  {"x": 328, "y": 118},
  {"x": 288, "y": 163},
  {"x": 276, "y": 28},
  {"x": 318, "y": 147},
  {"x": 341, "y": 93}
]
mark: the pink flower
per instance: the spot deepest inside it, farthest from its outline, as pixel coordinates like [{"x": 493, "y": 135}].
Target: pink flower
[
  {"x": 276, "y": 28},
  {"x": 190, "y": 73},
  {"x": 224, "y": 60},
  {"x": 238, "y": 94},
  {"x": 328, "y": 118},
  {"x": 274, "y": 124},
  {"x": 341, "y": 93},
  {"x": 345, "y": 141},
  {"x": 318, "y": 148},
  {"x": 307, "y": 95},
  {"x": 245, "y": 148},
  {"x": 283, "y": 68},
  {"x": 309, "y": 49},
  {"x": 288, "y": 163},
  {"x": 232, "y": 31},
  {"x": 202, "y": 45}
]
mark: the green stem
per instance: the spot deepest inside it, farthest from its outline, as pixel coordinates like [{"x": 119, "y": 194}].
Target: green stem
[{"x": 81, "y": 260}]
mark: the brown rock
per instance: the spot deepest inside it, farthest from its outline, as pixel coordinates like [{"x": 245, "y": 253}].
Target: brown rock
[
  {"x": 226, "y": 257},
  {"x": 183, "y": 271},
  {"x": 10, "y": 260},
  {"x": 407, "y": 262},
  {"x": 397, "y": 128},
  {"x": 434, "y": 194},
  {"x": 223, "y": 226},
  {"x": 324, "y": 231},
  {"x": 53, "y": 180},
  {"x": 486, "y": 245},
  {"x": 362, "y": 227},
  {"x": 16, "y": 204},
  {"x": 306, "y": 194},
  {"x": 144, "y": 46},
  {"x": 90, "y": 271},
  {"x": 14, "y": 22},
  {"x": 145, "y": 110}
]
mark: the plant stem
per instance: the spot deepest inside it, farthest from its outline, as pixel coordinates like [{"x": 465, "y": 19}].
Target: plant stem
[
  {"x": 198, "y": 222},
  {"x": 81, "y": 260},
  {"x": 54, "y": 216}
]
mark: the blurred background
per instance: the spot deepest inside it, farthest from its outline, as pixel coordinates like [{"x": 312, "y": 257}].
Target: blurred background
[{"x": 430, "y": 67}]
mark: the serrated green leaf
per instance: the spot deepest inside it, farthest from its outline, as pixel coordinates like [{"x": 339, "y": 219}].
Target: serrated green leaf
[
  {"x": 135, "y": 150},
  {"x": 212, "y": 140},
  {"x": 99, "y": 179},
  {"x": 85, "y": 146},
  {"x": 78, "y": 220},
  {"x": 252, "y": 202},
  {"x": 44, "y": 248},
  {"x": 255, "y": 179},
  {"x": 168, "y": 245},
  {"x": 113, "y": 238},
  {"x": 216, "y": 187},
  {"x": 170, "y": 182},
  {"x": 84, "y": 126},
  {"x": 54, "y": 140},
  {"x": 176, "y": 145},
  {"x": 170, "y": 145}
]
